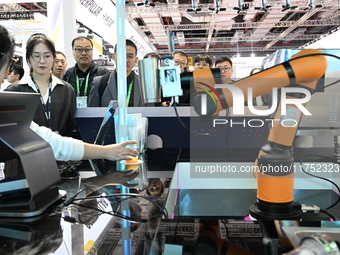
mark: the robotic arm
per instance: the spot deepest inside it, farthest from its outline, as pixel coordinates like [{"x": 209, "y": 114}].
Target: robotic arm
[{"x": 275, "y": 192}]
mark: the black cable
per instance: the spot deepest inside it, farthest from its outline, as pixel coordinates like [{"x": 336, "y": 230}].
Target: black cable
[
  {"x": 115, "y": 213},
  {"x": 319, "y": 54},
  {"x": 112, "y": 213},
  {"x": 329, "y": 85},
  {"x": 185, "y": 126},
  {"x": 322, "y": 178},
  {"x": 71, "y": 199},
  {"x": 128, "y": 196},
  {"x": 328, "y": 213},
  {"x": 192, "y": 131},
  {"x": 295, "y": 58}
]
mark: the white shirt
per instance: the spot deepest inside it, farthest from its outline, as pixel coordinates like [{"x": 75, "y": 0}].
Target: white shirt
[
  {"x": 64, "y": 148},
  {"x": 28, "y": 80}
]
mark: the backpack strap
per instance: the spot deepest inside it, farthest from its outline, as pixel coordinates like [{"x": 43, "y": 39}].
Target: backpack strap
[
  {"x": 68, "y": 74},
  {"x": 103, "y": 84},
  {"x": 101, "y": 70}
]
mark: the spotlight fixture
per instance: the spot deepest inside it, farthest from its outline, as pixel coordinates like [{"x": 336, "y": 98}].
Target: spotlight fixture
[
  {"x": 287, "y": 6},
  {"x": 312, "y": 5},
  {"x": 194, "y": 7},
  {"x": 241, "y": 6},
  {"x": 146, "y": 3},
  {"x": 264, "y": 6},
  {"x": 217, "y": 7}
]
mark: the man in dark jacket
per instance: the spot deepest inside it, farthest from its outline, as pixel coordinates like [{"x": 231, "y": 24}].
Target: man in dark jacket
[
  {"x": 104, "y": 89},
  {"x": 81, "y": 75}
]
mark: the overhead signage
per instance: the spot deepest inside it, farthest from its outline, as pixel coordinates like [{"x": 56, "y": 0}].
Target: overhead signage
[
  {"x": 100, "y": 17},
  {"x": 16, "y": 15}
]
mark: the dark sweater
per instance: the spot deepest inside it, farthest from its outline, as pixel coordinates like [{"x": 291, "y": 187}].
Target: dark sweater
[{"x": 63, "y": 106}]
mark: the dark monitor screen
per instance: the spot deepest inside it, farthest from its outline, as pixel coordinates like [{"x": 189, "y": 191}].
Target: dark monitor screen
[{"x": 16, "y": 107}]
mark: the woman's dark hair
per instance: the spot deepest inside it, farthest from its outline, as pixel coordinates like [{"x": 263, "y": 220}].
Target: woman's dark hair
[
  {"x": 6, "y": 47},
  {"x": 203, "y": 57},
  {"x": 152, "y": 55},
  {"x": 34, "y": 40}
]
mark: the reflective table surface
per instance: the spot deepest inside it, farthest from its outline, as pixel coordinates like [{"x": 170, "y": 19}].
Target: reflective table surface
[{"x": 193, "y": 214}]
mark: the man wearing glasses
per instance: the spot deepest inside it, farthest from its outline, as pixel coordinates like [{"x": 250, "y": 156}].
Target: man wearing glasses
[
  {"x": 181, "y": 60},
  {"x": 202, "y": 61},
  {"x": 81, "y": 75},
  {"x": 226, "y": 67},
  {"x": 104, "y": 88}
]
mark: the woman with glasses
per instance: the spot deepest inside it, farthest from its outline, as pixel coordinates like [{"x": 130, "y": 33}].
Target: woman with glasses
[
  {"x": 202, "y": 61},
  {"x": 57, "y": 97},
  {"x": 66, "y": 148}
]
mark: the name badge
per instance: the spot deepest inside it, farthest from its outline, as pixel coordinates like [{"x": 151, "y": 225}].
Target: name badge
[{"x": 81, "y": 101}]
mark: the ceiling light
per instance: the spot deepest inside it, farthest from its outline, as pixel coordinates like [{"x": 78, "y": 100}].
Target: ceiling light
[
  {"x": 287, "y": 6},
  {"x": 241, "y": 6},
  {"x": 264, "y": 6},
  {"x": 194, "y": 7},
  {"x": 217, "y": 7},
  {"x": 146, "y": 3}
]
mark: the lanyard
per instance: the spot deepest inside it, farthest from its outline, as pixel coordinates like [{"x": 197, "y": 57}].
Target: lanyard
[
  {"x": 129, "y": 93},
  {"x": 86, "y": 83},
  {"x": 46, "y": 107}
]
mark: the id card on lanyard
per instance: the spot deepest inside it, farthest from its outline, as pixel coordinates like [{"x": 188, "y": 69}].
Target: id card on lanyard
[{"x": 82, "y": 100}]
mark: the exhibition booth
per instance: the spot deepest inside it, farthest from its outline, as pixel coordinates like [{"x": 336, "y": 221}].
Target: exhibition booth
[{"x": 232, "y": 176}]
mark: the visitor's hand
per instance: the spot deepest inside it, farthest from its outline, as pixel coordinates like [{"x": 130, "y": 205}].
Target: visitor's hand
[
  {"x": 119, "y": 151},
  {"x": 112, "y": 152}
]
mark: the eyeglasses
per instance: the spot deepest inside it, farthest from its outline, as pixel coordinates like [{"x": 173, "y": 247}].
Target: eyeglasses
[
  {"x": 56, "y": 61},
  {"x": 180, "y": 63},
  {"x": 37, "y": 57},
  {"x": 80, "y": 50},
  {"x": 14, "y": 62},
  {"x": 202, "y": 64},
  {"x": 224, "y": 69}
]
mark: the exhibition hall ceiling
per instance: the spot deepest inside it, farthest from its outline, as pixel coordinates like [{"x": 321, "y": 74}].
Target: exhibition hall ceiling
[
  {"x": 224, "y": 27},
  {"x": 243, "y": 27}
]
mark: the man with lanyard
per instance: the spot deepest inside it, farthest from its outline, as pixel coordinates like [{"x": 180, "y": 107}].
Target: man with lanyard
[
  {"x": 104, "y": 89},
  {"x": 81, "y": 75}
]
